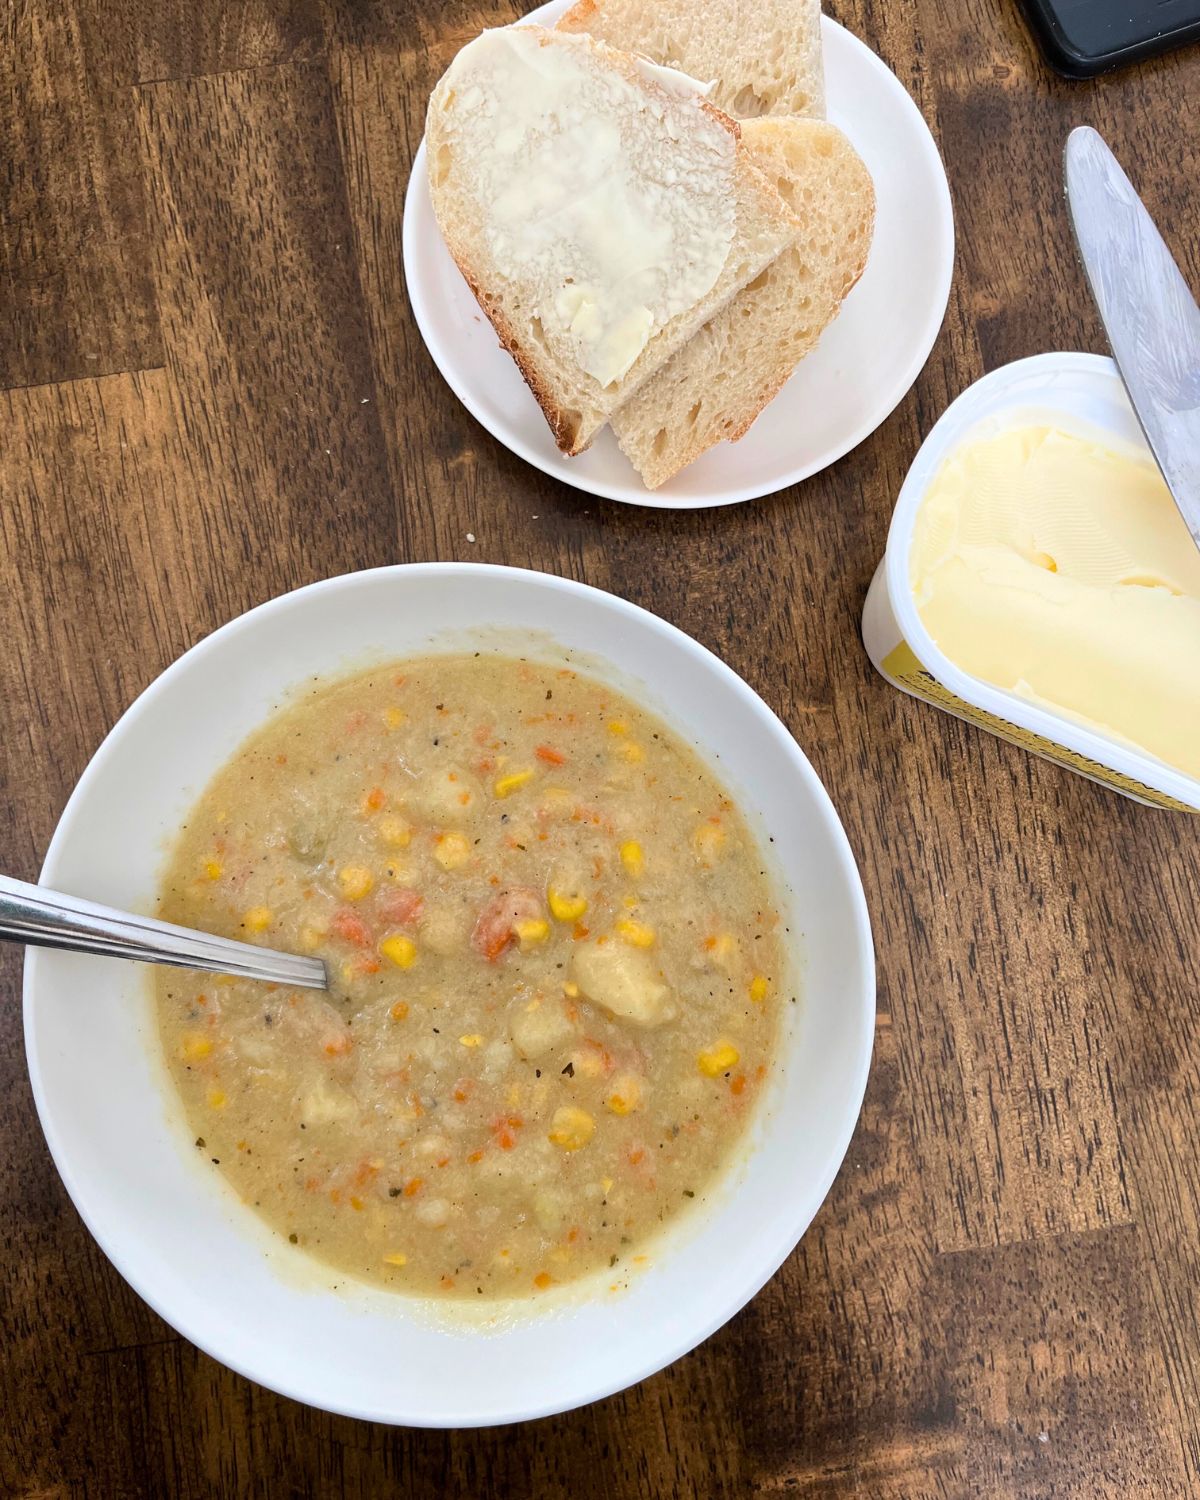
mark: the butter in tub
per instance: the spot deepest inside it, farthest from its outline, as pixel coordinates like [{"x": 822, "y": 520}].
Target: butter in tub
[{"x": 1040, "y": 581}]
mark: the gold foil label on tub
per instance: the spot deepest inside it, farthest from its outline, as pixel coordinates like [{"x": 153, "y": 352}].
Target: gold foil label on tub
[{"x": 903, "y": 668}]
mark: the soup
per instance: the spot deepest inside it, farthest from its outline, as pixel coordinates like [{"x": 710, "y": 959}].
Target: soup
[{"x": 556, "y": 968}]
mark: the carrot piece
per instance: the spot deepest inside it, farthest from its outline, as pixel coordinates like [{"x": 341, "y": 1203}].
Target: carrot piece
[
  {"x": 446, "y": 1283},
  {"x": 494, "y": 927},
  {"x": 400, "y": 906},
  {"x": 550, "y": 755},
  {"x": 375, "y": 798},
  {"x": 350, "y": 927},
  {"x": 542, "y": 1280},
  {"x": 475, "y": 1156},
  {"x": 737, "y": 1085},
  {"x": 413, "y": 1186}
]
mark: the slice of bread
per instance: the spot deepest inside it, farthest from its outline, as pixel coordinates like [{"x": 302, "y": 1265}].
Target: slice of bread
[
  {"x": 715, "y": 386},
  {"x": 599, "y": 215},
  {"x": 765, "y": 57}
]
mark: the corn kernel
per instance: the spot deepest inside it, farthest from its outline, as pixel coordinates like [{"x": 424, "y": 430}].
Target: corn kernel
[
  {"x": 718, "y": 1058},
  {"x": 258, "y": 918},
  {"x": 571, "y": 1128},
  {"x": 395, "y": 831},
  {"x": 356, "y": 882},
  {"x": 631, "y": 857},
  {"x": 565, "y": 908},
  {"x": 213, "y": 869},
  {"x": 760, "y": 988},
  {"x": 394, "y": 718},
  {"x": 472, "y": 1039},
  {"x": 636, "y": 934},
  {"x": 570, "y": 989},
  {"x": 451, "y": 850},
  {"x": 504, "y": 786},
  {"x": 195, "y": 1047},
  {"x": 399, "y": 1011},
  {"x": 708, "y": 841},
  {"x": 606, "y": 1185},
  {"x": 399, "y": 950},
  {"x": 625, "y": 1094},
  {"x": 216, "y": 1099},
  {"x": 531, "y": 932},
  {"x": 395, "y": 1259},
  {"x": 631, "y": 751},
  {"x": 618, "y": 726}
]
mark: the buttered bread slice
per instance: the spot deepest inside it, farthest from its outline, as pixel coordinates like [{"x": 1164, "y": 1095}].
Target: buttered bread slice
[
  {"x": 765, "y": 57},
  {"x": 600, "y": 209}
]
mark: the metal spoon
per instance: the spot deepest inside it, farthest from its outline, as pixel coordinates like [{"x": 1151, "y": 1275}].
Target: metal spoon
[{"x": 30, "y": 914}]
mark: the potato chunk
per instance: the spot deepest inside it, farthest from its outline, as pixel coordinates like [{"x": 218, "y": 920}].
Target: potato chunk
[
  {"x": 445, "y": 796},
  {"x": 536, "y": 1030},
  {"x": 623, "y": 981}
]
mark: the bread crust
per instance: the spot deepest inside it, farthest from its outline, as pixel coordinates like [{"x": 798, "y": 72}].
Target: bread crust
[
  {"x": 566, "y": 432},
  {"x": 745, "y": 382}
]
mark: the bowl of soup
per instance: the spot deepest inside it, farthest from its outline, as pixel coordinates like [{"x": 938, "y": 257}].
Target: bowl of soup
[{"x": 599, "y": 1015}]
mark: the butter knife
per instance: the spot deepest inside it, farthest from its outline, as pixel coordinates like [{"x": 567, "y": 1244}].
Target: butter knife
[{"x": 1148, "y": 312}]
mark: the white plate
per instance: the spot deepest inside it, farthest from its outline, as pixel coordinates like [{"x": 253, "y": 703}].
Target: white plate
[
  {"x": 864, "y": 365},
  {"x": 177, "y": 1231}
]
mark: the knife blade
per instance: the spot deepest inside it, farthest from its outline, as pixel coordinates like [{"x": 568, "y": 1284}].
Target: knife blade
[{"x": 1148, "y": 312}]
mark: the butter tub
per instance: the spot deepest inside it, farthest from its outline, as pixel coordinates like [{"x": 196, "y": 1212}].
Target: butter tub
[{"x": 1080, "y": 393}]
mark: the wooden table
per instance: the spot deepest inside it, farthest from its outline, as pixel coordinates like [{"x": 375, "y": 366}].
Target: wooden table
[{"x": 213, "y": 391}]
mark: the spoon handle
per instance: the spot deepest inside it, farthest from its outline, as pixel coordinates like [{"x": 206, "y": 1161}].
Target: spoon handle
[{"x": 30, "y": 914}]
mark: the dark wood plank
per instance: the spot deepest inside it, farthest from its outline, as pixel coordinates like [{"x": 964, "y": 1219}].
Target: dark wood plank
[
  {"x": 74, "y": 278},
  {"x": 153, "y": 40},
  {"x": 1009, "y": 1250},
  {"x": 263, "y": 327}
]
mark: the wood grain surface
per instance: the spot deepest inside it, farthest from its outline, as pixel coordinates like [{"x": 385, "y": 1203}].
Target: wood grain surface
[{"x": 212, "y": 390}]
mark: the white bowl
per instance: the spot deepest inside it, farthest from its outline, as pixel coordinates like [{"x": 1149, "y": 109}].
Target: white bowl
[
  {"x": 171, "y": 1224},
  {"x": 863, "y": 366}
]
